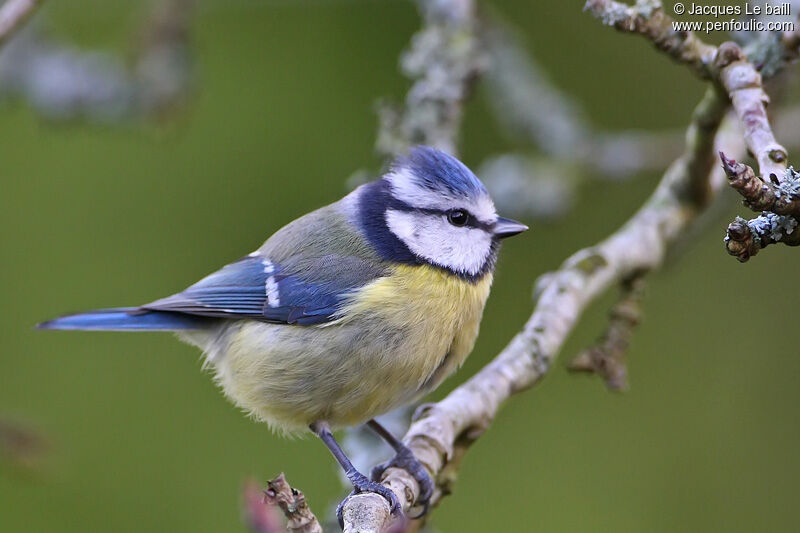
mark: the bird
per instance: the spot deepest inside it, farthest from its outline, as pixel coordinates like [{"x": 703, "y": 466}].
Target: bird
[{"x": 346, "y": 313}]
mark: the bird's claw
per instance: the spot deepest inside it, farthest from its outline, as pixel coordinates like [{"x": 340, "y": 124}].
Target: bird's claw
[
  {"x": 362, "y": 484},
  {"x": 405, "y": 459}
]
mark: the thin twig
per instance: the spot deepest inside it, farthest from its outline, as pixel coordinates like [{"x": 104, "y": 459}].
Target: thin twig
[
  {"x": 293, "y": 504},
  {"x": 607, "y": 357},
  {"x": 13, "y": 15},
  {"x": 759, "y": 195},
  {"x": 258, "y": 515},
  {"x": 647, "y": 18},
  {"x": 746, "y": 238}
]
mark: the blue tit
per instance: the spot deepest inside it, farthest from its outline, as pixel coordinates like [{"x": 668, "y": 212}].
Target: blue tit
[{"x": 348, "y": 312}]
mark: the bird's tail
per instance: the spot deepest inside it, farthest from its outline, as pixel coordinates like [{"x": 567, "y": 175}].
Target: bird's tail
[{"x": 126, "y": 319}]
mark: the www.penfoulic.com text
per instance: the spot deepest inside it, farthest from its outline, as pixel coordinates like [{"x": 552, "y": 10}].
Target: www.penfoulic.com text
[{"x": 782, "y": 11}]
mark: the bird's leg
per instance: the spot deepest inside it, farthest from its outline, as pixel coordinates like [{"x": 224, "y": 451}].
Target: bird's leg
[
  {"x": 361, "y": 483},
  {"x": 404, "y": 458}
]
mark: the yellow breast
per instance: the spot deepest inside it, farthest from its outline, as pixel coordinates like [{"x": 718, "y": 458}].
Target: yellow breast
[
  {"x": 396, "y": 339},
  {"x": 439, "y": 312}
]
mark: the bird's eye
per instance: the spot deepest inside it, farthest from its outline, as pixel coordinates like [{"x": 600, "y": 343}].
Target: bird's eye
[{"x": 457, "y": 217}]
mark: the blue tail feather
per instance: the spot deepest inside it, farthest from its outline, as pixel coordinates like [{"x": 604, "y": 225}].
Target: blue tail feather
[{"x": 126, "y": 319}]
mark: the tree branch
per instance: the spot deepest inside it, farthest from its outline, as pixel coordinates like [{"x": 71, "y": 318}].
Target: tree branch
[
  {"x": 607, "y": 357},
  {"x": 729, "y": 68},
  {"x": 744, "y": 86},
  {"x": 747, "y": 237},
  {"x": 726, "y": 65},
  {"x": 441, "y": 432},
  {"x": 647, "y": 18},
  {"x": 444, "y": 59}
]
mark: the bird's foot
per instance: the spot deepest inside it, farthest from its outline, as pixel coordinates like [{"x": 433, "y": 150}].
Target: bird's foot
[
  {"x": 404, "y": 458},
  {"x": 362, "y": 484}
]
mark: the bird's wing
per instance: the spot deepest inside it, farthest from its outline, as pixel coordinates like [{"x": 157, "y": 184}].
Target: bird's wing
[
  {"x": 299, "y": 276},
  {"x": 307, "y": 292}
]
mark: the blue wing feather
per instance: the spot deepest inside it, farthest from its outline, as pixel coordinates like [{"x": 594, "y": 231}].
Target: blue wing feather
[
  {"x": 299, "y": 276},
  {"x": 126, "y": 319},
  {"x": 302, "y": 296}
]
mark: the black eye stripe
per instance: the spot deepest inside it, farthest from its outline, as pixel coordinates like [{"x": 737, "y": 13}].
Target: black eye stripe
[{"x": 472, "y": 221}]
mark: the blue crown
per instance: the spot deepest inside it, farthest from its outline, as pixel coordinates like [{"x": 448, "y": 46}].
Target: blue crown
[{"x": 435, "y": 170}]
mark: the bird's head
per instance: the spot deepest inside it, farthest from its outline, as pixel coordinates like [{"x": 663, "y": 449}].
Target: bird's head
[{"x": 430, "y": 208}]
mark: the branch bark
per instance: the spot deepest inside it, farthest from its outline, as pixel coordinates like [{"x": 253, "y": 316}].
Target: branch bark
[
  {"x": 607, "y": 357},
  {"x": 743, "y": 83},
  {"x": 293, "y": 504},
  {"x": 444, "y": 59}
]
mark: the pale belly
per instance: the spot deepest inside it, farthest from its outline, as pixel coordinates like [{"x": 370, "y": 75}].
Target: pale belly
[{"x": 397, "y": 339}]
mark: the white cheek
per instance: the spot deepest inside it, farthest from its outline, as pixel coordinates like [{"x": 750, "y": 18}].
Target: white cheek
[{"x": 436, "y": 240}]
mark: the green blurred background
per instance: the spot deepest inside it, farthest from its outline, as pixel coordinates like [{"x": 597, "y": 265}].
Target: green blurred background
[{"x": 140, "y": 439}]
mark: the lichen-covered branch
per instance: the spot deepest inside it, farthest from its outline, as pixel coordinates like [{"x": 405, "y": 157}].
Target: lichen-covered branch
[
  {"x": 444, "y": 58},
  {"x": 729, "y": 68},
  {"x": 441, "y": 432},
  {"x": 647, "y": 18},
  {"x": 13, "y": 14},
  {"x": 776, "y": 191},
  {"x": 781, "y": 196},
  {"x": 779, "y": 202},
  {"x": 746, "y": 237}
]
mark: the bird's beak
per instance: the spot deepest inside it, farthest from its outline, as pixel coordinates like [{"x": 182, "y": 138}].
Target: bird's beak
[{"x": 505, "y": 227}]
